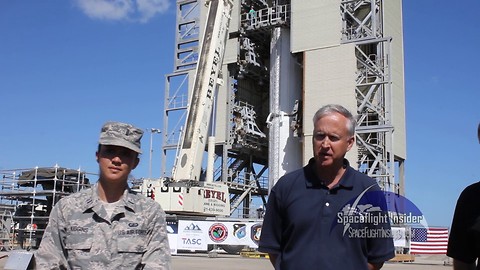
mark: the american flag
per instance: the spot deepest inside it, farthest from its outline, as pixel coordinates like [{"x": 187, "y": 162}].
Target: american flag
[{"x": 429, "y": 241}]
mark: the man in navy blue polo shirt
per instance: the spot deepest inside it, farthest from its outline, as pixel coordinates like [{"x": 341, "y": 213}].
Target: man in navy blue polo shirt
[{"x": 317, "y": 218}]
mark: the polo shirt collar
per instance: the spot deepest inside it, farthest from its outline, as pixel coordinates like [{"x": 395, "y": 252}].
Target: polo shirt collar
[{"x": 313, "y": 181}]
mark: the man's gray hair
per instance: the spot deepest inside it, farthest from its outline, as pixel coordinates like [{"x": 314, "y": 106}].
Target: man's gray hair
[{"x": 335, "y": 108}]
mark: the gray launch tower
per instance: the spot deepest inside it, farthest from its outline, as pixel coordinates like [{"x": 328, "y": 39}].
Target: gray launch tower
[{"x": 284, "y": 60}]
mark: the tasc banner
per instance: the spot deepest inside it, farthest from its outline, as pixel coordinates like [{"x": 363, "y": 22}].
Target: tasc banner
[{"x": 197, "y": 235}]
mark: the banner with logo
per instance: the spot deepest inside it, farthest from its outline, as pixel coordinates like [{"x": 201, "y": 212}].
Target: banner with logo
[
  {"x": 197, "y": 235},
  {"x": 192, "y": 235},
  {"x": 234, "y": 233}
]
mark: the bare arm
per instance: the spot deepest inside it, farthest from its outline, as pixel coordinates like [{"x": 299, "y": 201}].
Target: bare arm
[
  {"x": 459, "y": 265},
  {"x": 375, "y": 266}
]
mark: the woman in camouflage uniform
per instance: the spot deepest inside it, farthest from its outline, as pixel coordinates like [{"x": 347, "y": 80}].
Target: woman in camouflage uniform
[{"x": 108, "y": 226}]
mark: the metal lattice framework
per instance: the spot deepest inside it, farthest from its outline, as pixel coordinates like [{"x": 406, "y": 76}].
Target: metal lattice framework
[
  {"x": 187, "y": 34},
  {"x": 27, "y": 197},
  {"x": 238, "y": 168},
  {"x": 363, "y": 25},
  {"x": 187, "y": 37}
]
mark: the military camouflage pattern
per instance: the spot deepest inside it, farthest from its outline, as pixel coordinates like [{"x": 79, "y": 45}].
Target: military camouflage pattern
[
  {"x": 80, "y": 236},
  {"x": 121, "y": 134}
]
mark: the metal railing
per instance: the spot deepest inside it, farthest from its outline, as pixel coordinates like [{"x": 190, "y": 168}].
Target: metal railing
[{"x": 26, "y": 198}]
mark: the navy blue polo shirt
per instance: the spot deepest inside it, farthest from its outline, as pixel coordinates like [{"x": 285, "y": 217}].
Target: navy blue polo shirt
[
  {"x": 464, "y": 240},
  {"x": 300, "y": 224}
]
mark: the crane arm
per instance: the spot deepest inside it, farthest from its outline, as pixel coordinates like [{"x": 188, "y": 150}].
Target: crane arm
[{"x": 208, "y": 68}]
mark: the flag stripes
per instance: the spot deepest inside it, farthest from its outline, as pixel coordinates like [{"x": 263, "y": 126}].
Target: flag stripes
[{"x": 429, "y": 241}]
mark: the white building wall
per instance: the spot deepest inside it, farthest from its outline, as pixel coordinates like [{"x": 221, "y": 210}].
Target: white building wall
[
  {"x": 315, "y": 24},
  {"x": 329, "y": 78},
  {"x": 393, "y": 27}
]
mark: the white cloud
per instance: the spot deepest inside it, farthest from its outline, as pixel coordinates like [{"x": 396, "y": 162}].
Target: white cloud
[
  {"x": 117, "y": 10},
  {"x": 149, "y": 8}
]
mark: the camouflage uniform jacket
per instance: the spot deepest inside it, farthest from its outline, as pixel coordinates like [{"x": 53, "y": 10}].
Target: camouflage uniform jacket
[{"x": 80, "y": 236}]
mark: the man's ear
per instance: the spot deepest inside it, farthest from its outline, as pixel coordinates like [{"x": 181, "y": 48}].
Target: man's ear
[
  {"x": 96, "y": 156},
  {"x": 350, "y": 141}
]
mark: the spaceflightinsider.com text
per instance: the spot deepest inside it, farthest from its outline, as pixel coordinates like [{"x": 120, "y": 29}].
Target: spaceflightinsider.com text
[
  {"x": 376, "y": 218},
  {"x": 369, "y": 233}
]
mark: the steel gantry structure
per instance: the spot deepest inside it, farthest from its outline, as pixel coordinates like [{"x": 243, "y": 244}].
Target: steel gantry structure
[{"x": 263, "y": 107}]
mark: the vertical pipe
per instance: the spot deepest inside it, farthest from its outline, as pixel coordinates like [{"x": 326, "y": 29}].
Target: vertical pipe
[
  {"x": 150, "y": 155},
  {"x": 210, "y": 159},
  {"x": 274, "y": 136},
  {"x": 285, "y": 87}
]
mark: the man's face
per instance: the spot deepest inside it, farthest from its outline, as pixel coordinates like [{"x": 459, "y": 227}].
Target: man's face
[
  {"x": 116, "y": 162},
  {"x": 331, "y": 140}
]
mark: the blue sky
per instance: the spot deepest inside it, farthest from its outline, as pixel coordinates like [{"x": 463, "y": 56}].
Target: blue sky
[{"x": 68, "y": 66}]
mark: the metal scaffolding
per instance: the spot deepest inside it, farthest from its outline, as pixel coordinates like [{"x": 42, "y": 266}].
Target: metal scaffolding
[
  {"x": 27, "y": 197},
  {"x": 242, "y": 158},
  {"x": 363, "y": 26}
]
